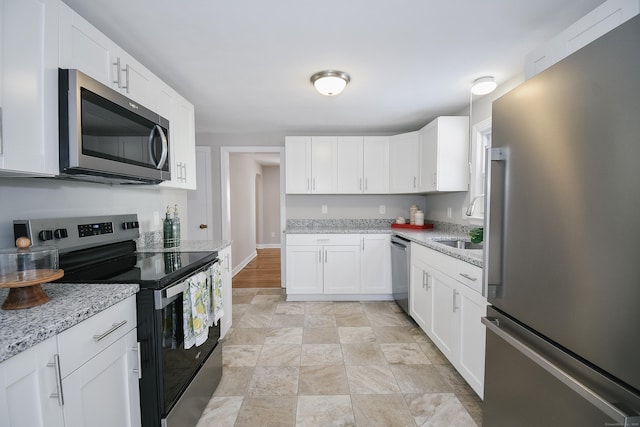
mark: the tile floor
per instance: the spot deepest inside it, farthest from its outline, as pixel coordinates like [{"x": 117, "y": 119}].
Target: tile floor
[{"x": 333, "y": 364}]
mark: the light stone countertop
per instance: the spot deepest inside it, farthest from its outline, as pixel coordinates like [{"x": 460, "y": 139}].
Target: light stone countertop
[
  {"x": 423, "y": 237},
  {"x": 69, "y": 305}
]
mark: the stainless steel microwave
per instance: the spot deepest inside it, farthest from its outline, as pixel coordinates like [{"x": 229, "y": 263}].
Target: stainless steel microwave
[{"x": 106, "y": 137}]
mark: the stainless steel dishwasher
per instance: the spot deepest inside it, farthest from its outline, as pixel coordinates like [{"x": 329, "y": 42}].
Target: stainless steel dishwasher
[{"x": 400, "y": 270}]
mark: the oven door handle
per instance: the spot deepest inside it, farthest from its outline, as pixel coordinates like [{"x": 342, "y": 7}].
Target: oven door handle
[{"x": 164, "y": 296}]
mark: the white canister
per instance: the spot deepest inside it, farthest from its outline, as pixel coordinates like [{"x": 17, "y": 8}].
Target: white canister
[
  {"x": 412, "y": 214},
  {"x": 419, "y": 217}
]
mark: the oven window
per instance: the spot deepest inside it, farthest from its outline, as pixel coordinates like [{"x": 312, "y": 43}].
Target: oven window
[
  {"x": 112, "y": 132},
  {"x": 179, "y": 366}
]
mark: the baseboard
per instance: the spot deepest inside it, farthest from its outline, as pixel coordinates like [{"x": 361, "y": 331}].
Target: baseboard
[
  {"x": 244, "y": 263},
  {"x": 339, "y": 297},
  {"x": 269, "y": 246}
]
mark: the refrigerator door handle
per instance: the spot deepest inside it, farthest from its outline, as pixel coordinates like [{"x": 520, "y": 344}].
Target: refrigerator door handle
[
  {"x": 617, "y": 414},
  {"x": 496, "y": 168}
]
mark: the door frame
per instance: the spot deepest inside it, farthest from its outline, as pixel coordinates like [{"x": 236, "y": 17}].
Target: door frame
[{"x": 225, "y": 201}]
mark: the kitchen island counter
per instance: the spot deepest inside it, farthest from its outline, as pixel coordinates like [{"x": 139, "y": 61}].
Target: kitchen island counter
[{"x": 69, "y": 305}]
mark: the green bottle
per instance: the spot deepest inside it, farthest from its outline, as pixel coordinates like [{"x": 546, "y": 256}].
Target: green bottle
[
  {"x": 167, "y": 230},
  {"x": 176, "y": 227}
]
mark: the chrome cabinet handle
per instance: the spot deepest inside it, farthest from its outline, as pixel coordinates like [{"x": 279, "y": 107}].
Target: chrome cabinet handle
[
  {"x": 126, "y": 74},
  {"x": 118, "y": 80},
  {"x": 313, "y": 184},
  {"x": 114, "y": 327},
  {"x": 56, "y": 365},
  {"x": 424, "y": 279},
  {"x": 466, "y": 276},
  {"x": 308, "y": 184},
  {"x": 138, "y": 370},
  {"x": 326, "y": 258},
  {"x": 362, "y": 244},
  {"x": 366, "y": 184},
  {"x": 617, "y": 414},
  {"x": 455, "y": 293},
  {"x": 227, "y": 262},
  {"x": 414, "y": 182},
  {"x": 360, "y": 184},
  {"x": 429, "y": 278},
  {"x": 320, "y": 256}
]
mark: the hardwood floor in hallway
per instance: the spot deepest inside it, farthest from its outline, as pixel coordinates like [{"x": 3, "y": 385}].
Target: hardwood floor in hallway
[{"x": 262, "y": 272}]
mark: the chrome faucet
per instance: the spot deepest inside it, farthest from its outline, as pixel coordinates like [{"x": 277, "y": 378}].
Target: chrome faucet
[{"x": 472, "y": 204}]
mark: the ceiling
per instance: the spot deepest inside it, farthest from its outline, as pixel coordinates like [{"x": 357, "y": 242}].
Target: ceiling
[{"x": 245, "y": 64}]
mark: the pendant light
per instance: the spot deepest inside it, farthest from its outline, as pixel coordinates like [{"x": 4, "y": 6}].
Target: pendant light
[{"x": 330, "y": 82}]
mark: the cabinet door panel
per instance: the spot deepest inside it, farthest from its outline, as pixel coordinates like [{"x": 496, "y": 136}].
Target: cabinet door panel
[
  {"x": 472, "y": 339},
  {"x": 225, "y": 256},
  {"x": 298, "y": 164},
  {"x": 341, "y": 269},
  {"x": 403, "y": 163},
  {"x": 376, "y": 263},
  {"x": 350, "y": 178},
  {"x": 376, "y": 164},
  {"x": 104, "y": 391},
  {"x": 26, "y": 386},
  {"x": 420, "y": 308},
  {"x": 304, "y": 269},
  {"x": 324, "y": 164},
  {"x": 442, "y": 328}
]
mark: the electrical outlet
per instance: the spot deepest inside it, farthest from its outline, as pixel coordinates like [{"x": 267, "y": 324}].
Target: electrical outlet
[
  {"x": 156, "y": 218},
  {"x": 273, "y": 234},
  {"x": 449, "y": 213},
  {"x": 383, "y": 209},
  {"x": 324, "y": 209}
]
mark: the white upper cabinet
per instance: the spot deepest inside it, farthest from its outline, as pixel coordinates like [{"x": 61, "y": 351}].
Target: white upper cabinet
[
  {"x": 324, "y": 164},
  {"x": 311, "y": 164},
  {"x": 404, "y": 154},
  {"x": 132, "y": 79},
  {"x": 183, "y": 144},
  {"x": 28, "y": 88},
  {"x": 444, "y": 162},
  {"x": 297, "y": 151},
  {"x": 350, "y": 164},
  {"x": 85, "y": 48},
  {"x": 376, "y": 164},
  {"x": 595, "y": 24}
]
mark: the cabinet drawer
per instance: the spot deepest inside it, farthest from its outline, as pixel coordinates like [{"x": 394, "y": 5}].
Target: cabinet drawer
[
  {"x": 463, "y": 272},
  {"x": 323, "y": 239},
  {"x": 83, "y": 341}
]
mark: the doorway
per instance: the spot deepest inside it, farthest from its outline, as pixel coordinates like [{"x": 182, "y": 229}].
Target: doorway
[{"x": 243, "y": 187}]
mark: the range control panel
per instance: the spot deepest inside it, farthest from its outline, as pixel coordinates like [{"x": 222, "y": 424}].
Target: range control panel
[{"x": 68, "y": 234}]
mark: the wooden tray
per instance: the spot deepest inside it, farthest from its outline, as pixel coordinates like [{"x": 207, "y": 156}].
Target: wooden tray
[{"x": 411, "y": 226}]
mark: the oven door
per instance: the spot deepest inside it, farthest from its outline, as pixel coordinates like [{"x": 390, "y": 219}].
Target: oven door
[{"x": 168, "y": 367}]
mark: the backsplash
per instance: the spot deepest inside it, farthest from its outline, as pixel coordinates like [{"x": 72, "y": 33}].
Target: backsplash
[
  {"x": 149, "y": 239},
  {"x": 446, "y": 227}
]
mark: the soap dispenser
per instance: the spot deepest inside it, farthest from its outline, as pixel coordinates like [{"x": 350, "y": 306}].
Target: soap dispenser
[
  {"x": 176, "y": 227},
  {"x": 167, "y": 229}
]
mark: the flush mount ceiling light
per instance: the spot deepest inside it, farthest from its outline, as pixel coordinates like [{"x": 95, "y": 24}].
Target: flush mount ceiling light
[
  {"x": 483, "y": 85},
  {"x": 330, "y": 82}
]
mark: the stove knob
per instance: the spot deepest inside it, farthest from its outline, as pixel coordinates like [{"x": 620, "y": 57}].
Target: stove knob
[
  {"x": 45, "y": 235},
  {"x": 60, "y": 233},
  {"x": 130, "y": 225}
]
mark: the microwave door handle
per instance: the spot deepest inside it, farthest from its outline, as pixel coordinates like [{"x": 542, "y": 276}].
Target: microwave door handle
[{"x": 165, "y": 147}]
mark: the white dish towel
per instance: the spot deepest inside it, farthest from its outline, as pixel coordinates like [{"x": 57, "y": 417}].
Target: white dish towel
[{"x": 202, "y": 305}]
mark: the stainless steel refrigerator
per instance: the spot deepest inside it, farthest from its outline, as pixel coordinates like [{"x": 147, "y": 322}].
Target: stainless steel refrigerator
[{"x": 563, "y": 243}]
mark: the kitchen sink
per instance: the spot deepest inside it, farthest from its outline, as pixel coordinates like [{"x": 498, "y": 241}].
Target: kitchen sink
[{"x": 460, "y": 244}]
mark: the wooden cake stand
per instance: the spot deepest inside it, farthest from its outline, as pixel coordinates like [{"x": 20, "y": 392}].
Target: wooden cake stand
[
  {"x": 25, "y": 290},
  {"x": 24, "y": 286}
]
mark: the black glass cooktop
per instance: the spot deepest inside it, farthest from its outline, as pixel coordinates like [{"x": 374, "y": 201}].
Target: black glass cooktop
[{"x": 151, "y": 270}]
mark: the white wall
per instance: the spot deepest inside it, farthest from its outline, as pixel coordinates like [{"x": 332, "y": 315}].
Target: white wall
[
  {"x": 216, "y": 141},
  {"x": 243, "y": 170},
  {"x": 438, "y": 204},
  {"x": 30, "y": 198},
  {"x": 271, "y": 205}
]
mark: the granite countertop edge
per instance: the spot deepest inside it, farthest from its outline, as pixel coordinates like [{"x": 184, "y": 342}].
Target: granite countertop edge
[
  {"x": 425, "y": 238},
  {"x": 69, "y": 305}
]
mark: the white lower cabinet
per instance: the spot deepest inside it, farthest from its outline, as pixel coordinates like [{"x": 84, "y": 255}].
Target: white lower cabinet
[
  {"x": 446, "y": 304},
  {"x": 375, "y": 264},
  {"x": 28, "y": 389},
  {"x": 104, "y": 390},
  {"x": 86, "y": 375},
  {"x": 323, "y": 264},
  {"x": 227, "y": 304},
  {"x": 339, "y": 265}
]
